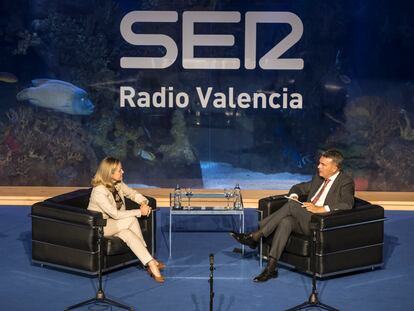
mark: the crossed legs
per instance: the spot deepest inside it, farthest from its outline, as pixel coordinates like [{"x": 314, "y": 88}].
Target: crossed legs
[
  {"x": 291, "y": 217},
  {"x": 129, "y": 231}
]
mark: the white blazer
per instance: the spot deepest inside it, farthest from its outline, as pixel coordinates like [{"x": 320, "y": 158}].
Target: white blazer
[{"x": 102, "y": 200}]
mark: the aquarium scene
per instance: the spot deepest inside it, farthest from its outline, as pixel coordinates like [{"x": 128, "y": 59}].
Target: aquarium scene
[{"x": 208, "y": 93}]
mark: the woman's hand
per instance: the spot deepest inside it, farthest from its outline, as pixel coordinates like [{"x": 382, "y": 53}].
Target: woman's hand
[{"x": 145, "y": 210}]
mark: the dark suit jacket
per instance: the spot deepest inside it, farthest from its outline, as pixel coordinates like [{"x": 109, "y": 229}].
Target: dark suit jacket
[{"x": 340, "y": 195}]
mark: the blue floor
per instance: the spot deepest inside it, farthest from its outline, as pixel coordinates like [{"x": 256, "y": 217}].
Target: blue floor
[{"x": 24, "y": 286}]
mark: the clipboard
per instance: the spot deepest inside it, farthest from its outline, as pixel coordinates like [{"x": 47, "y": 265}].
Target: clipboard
[{"x": 293, "y": 199}]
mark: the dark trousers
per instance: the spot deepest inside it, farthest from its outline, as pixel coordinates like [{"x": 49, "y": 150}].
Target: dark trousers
[{"x": 291, "y": 217}]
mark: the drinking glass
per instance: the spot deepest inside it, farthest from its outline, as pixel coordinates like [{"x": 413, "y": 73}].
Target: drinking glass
[
  {"x": 189, "y": 194},
  {"x": 228, "y": 193}
]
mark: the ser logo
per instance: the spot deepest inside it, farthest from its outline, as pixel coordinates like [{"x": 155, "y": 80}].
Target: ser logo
[{"x": 271, "y": 60}]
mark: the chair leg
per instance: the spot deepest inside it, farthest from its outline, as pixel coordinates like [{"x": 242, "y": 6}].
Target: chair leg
[
  {"x": 313, "y": 301},
  {"x": 100, "y": 294}
]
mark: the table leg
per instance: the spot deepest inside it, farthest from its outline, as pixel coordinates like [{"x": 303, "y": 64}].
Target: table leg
[
  {"x": 169, "y": 235},
  {"x": 242, "y": 224}
]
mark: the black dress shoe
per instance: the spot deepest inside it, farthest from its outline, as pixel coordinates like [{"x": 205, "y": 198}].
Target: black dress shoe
[
  {"x": 266, "y": 275},
  {"x": 245, "y": 239}
]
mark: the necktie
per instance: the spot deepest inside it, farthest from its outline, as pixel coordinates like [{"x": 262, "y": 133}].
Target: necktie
[{"x": 318, "y": 195}]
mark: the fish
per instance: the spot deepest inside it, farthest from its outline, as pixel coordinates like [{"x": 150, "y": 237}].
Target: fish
[
  {"x": 338, "y": 60},
  {"x": 345, "y": 79},
  {"x": 112, "y": 82},
  {"x": 8, "y": 77},
  {"x": 109, "y": 85},
  {"x": 147, "y": 132},
  {"x": 295, "y": 157},
  {"x": 57, "y": 95},
  {"x": 327, "y": 114},
  {"x": 332, "y": 87},
  {"x": 146, "y": 155}
]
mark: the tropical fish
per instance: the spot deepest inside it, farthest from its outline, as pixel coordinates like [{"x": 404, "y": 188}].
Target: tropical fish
[
  {"x": 57, "y": 95},
  {"x": 345, "y": 79},
  {"x": 112, "y": 82},
  {"x": 295, "y": 157},
  {"x": 333, "y": 118},
  {"x": 333, "y": 86},
  {"x": 8, "y": 77},
  {"x": 147, "y": 132},
  {"x": 146, "y": 155},
  {"x": 109, "y": 85}
]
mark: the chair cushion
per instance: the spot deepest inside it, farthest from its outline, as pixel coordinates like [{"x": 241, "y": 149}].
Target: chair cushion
[{"x": 115, "y": 246}]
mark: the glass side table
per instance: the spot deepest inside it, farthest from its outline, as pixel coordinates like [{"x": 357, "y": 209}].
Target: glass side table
[{"x": 206, "y": 204}]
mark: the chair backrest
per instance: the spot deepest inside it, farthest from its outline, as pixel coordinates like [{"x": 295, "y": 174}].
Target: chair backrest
[{"x": 78, "y": 198}]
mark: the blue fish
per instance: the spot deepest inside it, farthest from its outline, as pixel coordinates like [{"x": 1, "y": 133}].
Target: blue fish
[
  {"x": 146, "y": 155},
  {"x": 57, "y": 95},
  {"x": 295, "y": 157}
]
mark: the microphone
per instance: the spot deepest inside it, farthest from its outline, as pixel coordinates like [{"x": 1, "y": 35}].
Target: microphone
[{"x": 211, "y": 280}]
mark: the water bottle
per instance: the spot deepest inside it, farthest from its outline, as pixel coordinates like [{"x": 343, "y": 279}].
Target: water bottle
[
  {"x": 237, "y": 197},
  {"x": 177, "y": 197}
]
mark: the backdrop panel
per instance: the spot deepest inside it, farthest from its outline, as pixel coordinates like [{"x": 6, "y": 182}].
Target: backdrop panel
[{"x": 206, "y": 93}]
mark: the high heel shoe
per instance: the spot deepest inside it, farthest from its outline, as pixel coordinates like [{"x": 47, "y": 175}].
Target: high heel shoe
[
  {"x": 158, "y": 279},
  {"x": 161, "y": 265}
]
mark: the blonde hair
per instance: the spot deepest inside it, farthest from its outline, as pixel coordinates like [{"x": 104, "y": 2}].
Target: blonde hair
[{"x": 103, "y": 175}]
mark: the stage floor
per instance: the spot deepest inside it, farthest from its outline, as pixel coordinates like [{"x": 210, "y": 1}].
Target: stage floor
[{"x": 25, "y": 286}]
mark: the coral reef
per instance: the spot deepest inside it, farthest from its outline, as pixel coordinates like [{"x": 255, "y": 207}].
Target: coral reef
[
  {"x": 373, "y": 140},
  {"x": 394, "y": 177},
  {"x": 77, "y": 49},
  {"x": 179, "y": 152},
  {"x": 115, "y": 137},
  {"x": 25, "y": 41},
  {"x": 39, "y": 148},
  {"x": 406, "y": 131}
]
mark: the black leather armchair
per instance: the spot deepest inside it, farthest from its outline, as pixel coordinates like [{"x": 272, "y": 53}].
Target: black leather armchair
[
  {"x": 347, "y": 240},
  {"x": 65, "y": 234}
]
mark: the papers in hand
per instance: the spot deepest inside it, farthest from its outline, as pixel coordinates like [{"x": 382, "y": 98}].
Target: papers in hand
[{"x": 293, "y": 199}]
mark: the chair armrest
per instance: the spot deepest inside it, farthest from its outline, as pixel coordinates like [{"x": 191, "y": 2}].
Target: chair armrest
[
  {"x": 271, "y": 204},
  {"x": 129, "y": 204},
  {"x": 66, "y": 213},
  {"x": 341, "y": 218},
  {"x": 360, "y": 214}
]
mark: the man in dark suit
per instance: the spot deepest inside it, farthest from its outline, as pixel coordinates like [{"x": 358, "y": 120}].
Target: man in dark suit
[{"x": 330, "y": 190}]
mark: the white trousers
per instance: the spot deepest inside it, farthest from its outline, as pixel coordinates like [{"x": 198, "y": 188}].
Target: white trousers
[{"x": 129, "y": 231}]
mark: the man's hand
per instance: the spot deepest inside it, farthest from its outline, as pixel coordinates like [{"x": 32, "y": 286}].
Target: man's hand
[
  {"x": 145, "y": 209},
  {"x": 294, "y": 196},
  {"x": 310, "y": 207}
]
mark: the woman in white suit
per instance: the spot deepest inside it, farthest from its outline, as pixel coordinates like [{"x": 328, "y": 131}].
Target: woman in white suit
[{"x": 108, "y": 198}]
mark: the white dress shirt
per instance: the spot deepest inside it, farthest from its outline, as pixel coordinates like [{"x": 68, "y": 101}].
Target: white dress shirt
[
  {"x": 325, "y": 192},
  {"x": 322, "y": 198}
]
